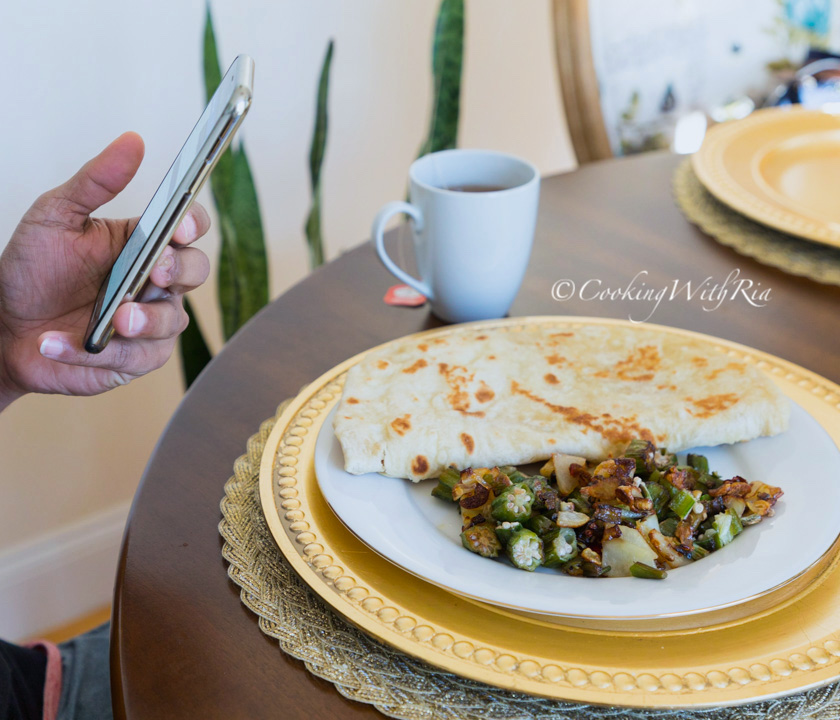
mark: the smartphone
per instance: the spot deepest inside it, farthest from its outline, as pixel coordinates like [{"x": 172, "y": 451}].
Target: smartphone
[{"x": 208, "y": 140}]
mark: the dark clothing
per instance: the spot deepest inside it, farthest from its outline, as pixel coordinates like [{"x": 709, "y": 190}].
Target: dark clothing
[
  {"x": 22, "y": 675},
  {"x": 74, "y": 684}
]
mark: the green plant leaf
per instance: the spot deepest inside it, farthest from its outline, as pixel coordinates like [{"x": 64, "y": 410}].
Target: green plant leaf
[
  {"x": 316, "y": 160},
  {"x": 447, "y": 64},
  {"x": 212, "y": 70},
  {"x": 195, "y": 353},
  {"x": 221, "y": 179},
  {"x": 221, "y": 185},
  {"x": 250, "y": 258},
  {"x": 228, "y": 283},
  {"x": 243, "y": 266},
  {"x": 313, "y": 232}
]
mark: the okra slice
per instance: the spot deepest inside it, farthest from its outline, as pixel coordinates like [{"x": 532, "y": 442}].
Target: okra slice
[
  {"x": 682, "y": 501},
  {"x": 538, "y": 485},
  {"x": 594, "y": 570},
  {"x": 698, "y": 552},
  {"x": 727, "y": 525},
  {"x": 581, "y": 503},
  {"x": 496, "y": 480},
  {"x": 525, "y": 550},
  {"x": 540, "y": 524},
  {"x": 699, "y": 463},
  {"x": 668, "y": 526},
  {"x": 559, "y": 546},
  {"x": 504, "y": 531},
  {"x": 617, "y": 513},
  {"x": 712, "y": 480},
  {"x": 450, "y": 477},
  {"x": 643, "y": 452},
  {"x": 664, "y": 460},
  {"x": 642, "y": 570},
  {"x": 578, "y": 567},
  {"x": 443, "y": 492},
  {"x": 514, "y": 474},
  {"x": 658, "y": 494},
  {"x": 513, "y": 504},
  {"x": 481, "y": 539},
  {"x": 708, "y": 540}
]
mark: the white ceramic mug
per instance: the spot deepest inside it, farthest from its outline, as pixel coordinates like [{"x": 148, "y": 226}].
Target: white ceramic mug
[{"x": 472, "y": 246}]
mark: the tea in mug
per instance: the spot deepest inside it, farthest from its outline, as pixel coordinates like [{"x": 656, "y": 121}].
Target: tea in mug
[{"x": 475, "y": 188}]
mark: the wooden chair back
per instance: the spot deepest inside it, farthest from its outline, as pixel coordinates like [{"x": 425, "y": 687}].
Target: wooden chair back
[{"x": 578, "y": 81}]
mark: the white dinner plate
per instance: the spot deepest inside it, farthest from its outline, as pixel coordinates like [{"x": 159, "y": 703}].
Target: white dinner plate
[{"x": 402, "y": 522}]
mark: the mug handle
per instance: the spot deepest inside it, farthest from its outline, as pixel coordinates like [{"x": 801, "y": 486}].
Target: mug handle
[{"x": 377, "y": 233}]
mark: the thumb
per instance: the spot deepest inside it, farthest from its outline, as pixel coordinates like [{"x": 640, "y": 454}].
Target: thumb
[{"x": 99, "y": 180}]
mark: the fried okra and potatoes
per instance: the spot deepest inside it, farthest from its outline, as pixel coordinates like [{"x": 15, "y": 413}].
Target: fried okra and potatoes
[{"x": 639, "y": 514}]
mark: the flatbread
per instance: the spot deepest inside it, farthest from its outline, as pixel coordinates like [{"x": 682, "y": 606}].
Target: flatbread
[{"x": 515, "y": 395}]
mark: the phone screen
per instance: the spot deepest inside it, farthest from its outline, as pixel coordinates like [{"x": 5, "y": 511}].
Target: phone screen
[{"x": 164, "y": 194}]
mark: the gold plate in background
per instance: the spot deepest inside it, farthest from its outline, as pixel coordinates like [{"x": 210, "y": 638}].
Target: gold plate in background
[
  {"x": 778, "y": 166},
  {"x": 774, "y": 654},
  {"x": 790, "y": 254}
]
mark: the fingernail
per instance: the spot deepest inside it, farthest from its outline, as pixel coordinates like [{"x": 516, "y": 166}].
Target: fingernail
[
  {"x": 52, "y": 347},
  {"x": 166, "y": 260},
  {"x": 188, "y": 223},
  {"x": 136, "y": 320},
  {"x": 165, "y": 264}
]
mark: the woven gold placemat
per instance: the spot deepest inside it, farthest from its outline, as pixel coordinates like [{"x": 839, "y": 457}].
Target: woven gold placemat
[
  {"x": 398, "y": 685},
  {"x": 768, "y": 246}
]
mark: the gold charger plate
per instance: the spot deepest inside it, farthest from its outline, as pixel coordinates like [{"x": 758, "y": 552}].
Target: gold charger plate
[
  {"x": 768, "y": 655},
  {"x": 778, "y": 166}
]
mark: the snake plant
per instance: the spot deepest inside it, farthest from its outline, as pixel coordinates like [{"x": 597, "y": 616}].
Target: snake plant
[
  {"x": 243, "y": 265},
  {"x": 447, "y": 64},
  {"x": 316, "y": 160}
]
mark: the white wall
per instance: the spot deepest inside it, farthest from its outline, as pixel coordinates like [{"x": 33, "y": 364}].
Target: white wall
[{"x": 78, "y": 74}]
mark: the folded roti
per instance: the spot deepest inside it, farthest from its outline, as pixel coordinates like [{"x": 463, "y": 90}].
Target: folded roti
[{"x": 515, "y": 395}]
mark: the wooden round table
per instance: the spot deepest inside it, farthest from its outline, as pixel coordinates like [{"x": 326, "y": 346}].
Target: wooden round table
[{"x": 183, "y": 645}]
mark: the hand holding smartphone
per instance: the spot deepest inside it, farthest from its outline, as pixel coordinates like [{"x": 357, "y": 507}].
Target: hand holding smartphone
[{"x": 208, "y": 140}]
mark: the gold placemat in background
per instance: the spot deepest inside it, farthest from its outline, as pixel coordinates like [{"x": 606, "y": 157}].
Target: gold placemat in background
[
  {"x": 398, "y": 685},
  {"x": 770, "y": 247}
]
